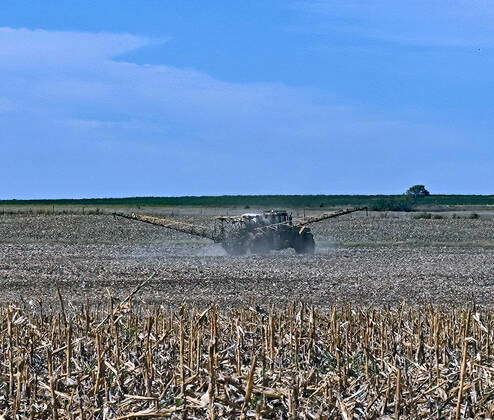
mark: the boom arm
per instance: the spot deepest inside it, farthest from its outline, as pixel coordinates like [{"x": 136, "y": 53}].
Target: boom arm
[
  {"x": 308, "y": 220},
  {"x": 195, "y": 230}
]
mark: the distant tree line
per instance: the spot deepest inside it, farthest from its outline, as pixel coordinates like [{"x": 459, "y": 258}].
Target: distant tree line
[{"x": 403, "y": 202}]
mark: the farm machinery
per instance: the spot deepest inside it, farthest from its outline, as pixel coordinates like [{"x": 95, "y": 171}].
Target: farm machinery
[{"x": 254, "y": 233}]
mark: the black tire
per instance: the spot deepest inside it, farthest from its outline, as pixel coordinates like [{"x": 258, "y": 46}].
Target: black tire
[
  {"x": 260, "y": 246},
  {"x": 236, "y": 246},
  {"x": 304, "y": 243},
  {"x": 310, "y": 244}
]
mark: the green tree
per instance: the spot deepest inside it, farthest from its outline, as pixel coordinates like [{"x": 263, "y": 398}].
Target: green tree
[{"x": 417, "y": 191}]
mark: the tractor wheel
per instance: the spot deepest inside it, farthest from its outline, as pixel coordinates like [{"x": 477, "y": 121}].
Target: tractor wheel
[
  {"x": 304, "y": 244},
  {"x": 260, "y": 246},
  {"x": 236, "y": 247}
]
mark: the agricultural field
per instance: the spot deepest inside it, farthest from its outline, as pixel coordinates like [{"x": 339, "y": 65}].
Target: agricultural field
[
  {"x": 359, "y": 259},
  {"x": 108, "y": 318}
]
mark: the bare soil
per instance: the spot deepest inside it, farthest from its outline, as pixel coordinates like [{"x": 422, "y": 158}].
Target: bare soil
[{"x": 359, "y": 260}]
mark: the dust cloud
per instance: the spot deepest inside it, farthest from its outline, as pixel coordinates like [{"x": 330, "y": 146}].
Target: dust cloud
[
  {"x": 325, "y": 247},
  {"x": 213, "y": 250}
]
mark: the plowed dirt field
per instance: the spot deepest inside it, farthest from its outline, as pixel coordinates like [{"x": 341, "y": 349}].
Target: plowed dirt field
[{"x": 359, "y": 260}]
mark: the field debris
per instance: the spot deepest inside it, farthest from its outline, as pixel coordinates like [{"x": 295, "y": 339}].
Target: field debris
[{"x": 129, "y": 361}]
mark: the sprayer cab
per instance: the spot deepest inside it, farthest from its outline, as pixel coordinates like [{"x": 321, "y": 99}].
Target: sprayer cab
[{"x": 268, "y": 217}]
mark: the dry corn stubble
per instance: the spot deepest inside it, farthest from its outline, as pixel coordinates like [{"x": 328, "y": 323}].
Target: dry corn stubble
[{"x": 301, "y": 362}]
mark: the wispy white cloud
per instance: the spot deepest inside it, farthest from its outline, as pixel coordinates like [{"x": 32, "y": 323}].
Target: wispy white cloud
[
  {"x": 84, "y": 121},
  {"x": 74, "y": 76},
  {"x": 30, "y": 48},
  {"x": 455, "y": 23}
]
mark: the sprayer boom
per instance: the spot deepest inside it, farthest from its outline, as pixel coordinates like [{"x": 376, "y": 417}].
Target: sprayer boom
[
  {"x": 191, "y": 229},
  {"x": 308, "y": 220},
  {"x": 256, "y": 233}
]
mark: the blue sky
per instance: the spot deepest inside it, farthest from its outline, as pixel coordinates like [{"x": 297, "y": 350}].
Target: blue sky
[{"x": 154, "y": 97}]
